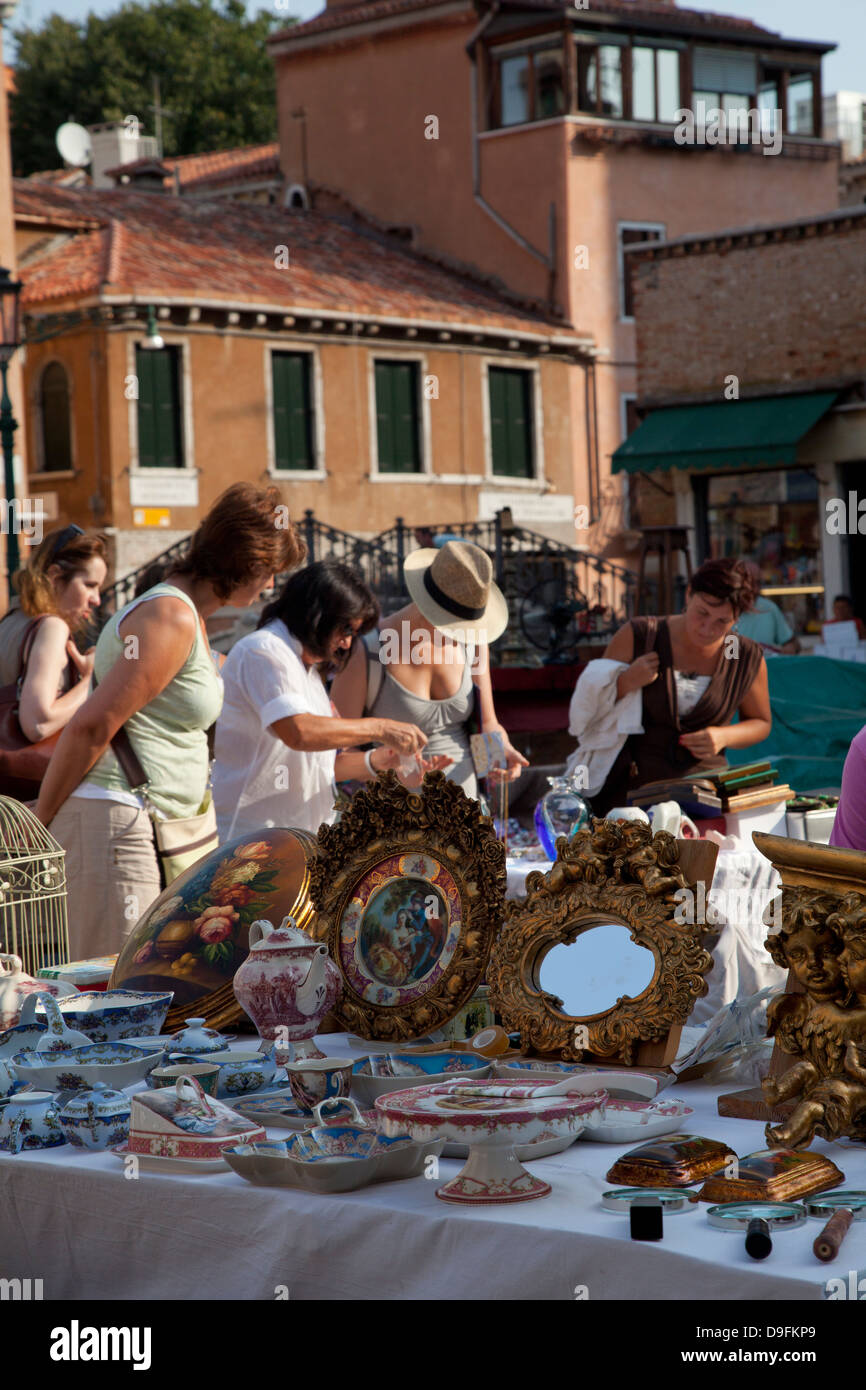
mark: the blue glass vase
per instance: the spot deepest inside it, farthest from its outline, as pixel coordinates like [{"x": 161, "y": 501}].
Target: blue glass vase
[{"x": 561, "y": 811}]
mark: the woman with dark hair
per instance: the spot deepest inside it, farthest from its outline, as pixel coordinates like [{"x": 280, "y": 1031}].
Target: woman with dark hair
[
  {"x": 277, "y": 737},
  {"x": 156, "y": 678},
  {"x": 58, "y": 592},
  {"x": 692, "y": 672}
]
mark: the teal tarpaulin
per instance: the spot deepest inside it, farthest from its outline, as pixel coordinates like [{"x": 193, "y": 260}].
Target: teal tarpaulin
[{"x": 818, "y": 706}]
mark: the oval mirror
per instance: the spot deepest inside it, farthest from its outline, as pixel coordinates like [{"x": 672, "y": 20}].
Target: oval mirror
[{"x": 593, "y": 972}]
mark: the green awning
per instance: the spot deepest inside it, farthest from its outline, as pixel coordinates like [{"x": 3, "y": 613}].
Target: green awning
[{"x": 726, "y": 434}]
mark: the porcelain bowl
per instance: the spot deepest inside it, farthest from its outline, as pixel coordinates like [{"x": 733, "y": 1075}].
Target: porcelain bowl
[
  {"x": 114, "y": 1014},
  {"x": 423, "y": 1071},
  {"x": 240, "y": 1072},
  {"x": 271, "y": 1164},
  {"x": 115, "y": 1064}
]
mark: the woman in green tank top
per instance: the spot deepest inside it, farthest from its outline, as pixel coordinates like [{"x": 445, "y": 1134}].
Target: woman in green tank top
[{"x": 156, "y": 677}]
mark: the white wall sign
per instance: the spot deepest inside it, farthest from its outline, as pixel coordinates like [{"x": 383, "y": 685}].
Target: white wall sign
[
  {"x": 526, "y": 507},
  {"x": 160, "y": 488}
]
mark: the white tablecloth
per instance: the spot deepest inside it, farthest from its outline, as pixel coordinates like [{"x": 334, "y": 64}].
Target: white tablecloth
[
  {"x": 744, "y": 883},
  {"x": 88, "y": 1232}
]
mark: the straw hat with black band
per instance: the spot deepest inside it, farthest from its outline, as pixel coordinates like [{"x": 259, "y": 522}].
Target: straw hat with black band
[{"x": 454, "y": 590}]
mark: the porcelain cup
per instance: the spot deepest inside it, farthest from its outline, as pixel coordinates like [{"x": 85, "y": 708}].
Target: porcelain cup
[
  {"x": 31, "y": 1120},
  {"x": 316, "y": 1079},
  {"x": 206, "y": 1074}
]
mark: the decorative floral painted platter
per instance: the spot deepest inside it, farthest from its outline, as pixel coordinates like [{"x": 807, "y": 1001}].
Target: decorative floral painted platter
[{"x": 196, "y": 934}]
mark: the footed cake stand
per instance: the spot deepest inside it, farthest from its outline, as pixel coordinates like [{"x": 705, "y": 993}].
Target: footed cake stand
[{"x": 490, "y": 1118}]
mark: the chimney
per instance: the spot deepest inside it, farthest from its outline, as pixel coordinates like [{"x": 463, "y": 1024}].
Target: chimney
[{"x": 118, "y": 142}]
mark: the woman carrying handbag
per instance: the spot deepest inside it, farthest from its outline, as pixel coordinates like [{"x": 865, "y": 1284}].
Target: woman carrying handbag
[
  {"x": 157, "y": 682},
  {"x": 43, "y": 675}
]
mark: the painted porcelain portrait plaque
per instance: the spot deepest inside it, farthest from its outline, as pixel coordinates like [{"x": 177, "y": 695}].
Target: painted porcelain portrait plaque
[{"x": 408, "y": 888}]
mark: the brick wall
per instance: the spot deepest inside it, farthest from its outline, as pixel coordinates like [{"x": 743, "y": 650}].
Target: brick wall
[{"x": 777, "y": 313}]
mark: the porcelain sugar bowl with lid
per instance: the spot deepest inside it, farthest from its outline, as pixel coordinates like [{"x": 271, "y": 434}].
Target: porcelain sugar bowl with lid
[
  {"x": 96, "y": 1119},
  {"x": 287, "y": 984}
]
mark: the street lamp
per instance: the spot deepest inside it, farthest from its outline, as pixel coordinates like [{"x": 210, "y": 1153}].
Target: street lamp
[
  {"x": 153, "y": 342},
  {"x": 9, "y": 340}
]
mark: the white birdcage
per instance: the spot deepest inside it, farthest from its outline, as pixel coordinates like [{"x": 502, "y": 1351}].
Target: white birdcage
[{"x": 33, "y": 921}]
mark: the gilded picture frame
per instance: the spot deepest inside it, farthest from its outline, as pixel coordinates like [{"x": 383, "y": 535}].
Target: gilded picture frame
[
  {"x": 408, "y": 889},
  {"x": 609, "y": 873}
]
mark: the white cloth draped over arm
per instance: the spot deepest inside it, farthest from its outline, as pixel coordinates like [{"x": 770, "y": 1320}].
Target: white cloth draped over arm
[{"x": 600, "y": 722}]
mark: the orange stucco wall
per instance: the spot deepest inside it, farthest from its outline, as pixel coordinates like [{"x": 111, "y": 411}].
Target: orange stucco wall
[
  {"x": 225, "y": 379},
  {"x": 366, "y": 102}
]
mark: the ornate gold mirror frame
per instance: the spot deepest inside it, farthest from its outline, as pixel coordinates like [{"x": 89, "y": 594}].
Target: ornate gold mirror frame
[
  {"x": 611, "y": 872},
  {"x": 409, "y": 888}
]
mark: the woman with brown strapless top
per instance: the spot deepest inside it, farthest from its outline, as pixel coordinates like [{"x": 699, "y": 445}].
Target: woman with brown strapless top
[{"x": 696, "y": 674}]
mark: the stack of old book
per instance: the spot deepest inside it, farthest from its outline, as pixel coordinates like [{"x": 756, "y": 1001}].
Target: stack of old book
[{"x": 728, "y": 790}]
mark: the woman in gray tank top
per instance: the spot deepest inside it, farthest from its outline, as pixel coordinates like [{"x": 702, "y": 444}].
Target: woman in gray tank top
[{"x": 431, "y": 666}]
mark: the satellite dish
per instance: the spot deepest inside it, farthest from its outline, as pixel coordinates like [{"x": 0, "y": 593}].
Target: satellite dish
[{"x": 74, "y": 144}]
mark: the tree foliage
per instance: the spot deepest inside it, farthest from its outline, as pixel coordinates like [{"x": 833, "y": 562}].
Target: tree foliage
[{"x": 215, "y": 75}]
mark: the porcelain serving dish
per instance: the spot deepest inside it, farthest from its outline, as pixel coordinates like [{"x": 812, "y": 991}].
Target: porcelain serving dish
[
  {"x": 79, "y": 1069},
  {"x": 183, "y": 1124},
  {"x": 490, "y": 1117},
  {"x": 626, "y": 1121},
  {"x": 112, "y": 1015},
  {"x": 240, "y": 1072},
  {"x": 277, "y": 1163},
  {"x": 380, "y": 1075},
  {"x": 96, "y": 1119},
  {"x": 620, "y": 1085}
]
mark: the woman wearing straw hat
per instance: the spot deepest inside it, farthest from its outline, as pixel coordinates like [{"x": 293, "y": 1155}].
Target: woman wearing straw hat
[{"x": 432, "y": 667}]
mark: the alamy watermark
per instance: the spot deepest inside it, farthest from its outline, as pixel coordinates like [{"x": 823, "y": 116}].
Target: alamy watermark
[
  {"x": 22, "y": 516},
  {"x": 846, "y": 516},
  {"x": 710, "y": 125},
  {"x": 419, "y": 647}
]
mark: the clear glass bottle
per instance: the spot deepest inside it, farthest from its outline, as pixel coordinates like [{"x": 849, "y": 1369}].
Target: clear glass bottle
[{"x": 561, "y": 811}]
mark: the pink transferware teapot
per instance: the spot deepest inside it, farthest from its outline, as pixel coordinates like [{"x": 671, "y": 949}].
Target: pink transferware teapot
[
  {"x": 287, "y": 984},
  {"x": 16, "y": 984}
]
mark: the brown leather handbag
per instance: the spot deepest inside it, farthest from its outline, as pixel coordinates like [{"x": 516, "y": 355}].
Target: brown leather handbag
[{"x": 22, "y": 764}]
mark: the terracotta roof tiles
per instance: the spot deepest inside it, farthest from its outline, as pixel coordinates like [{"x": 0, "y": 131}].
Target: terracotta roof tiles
[
  {"x": 674, "y": 17},
  {"x": 157, "y": 244}
]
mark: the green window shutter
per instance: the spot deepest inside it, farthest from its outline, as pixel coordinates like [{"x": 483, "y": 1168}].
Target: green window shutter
[
  {"x": 397, "y": 422},
  {"x": 511, "y": 422},
  {"x": 159, "y": 435},
  {"x": 293, "y": 415}
]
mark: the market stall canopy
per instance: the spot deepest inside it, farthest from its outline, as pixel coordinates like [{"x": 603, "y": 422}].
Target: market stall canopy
[{"x": 726, "y": 434}]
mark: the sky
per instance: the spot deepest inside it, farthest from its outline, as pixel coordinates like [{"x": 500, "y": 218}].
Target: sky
[{"x": 839, "y": 21}]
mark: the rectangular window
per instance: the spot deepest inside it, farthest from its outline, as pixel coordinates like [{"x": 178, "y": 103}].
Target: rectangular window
[
  {"x": 599, "y": 79},
  {"x": 655, "y": 77},
  {"x": 293, "y": 412},
  {"x": 801, "y": 113},
  {"x": 549, "y": 85},
  {"x": 159, "y": 431},
  {"x": 668, "y": 84},
  {"x": 511, "y": 436},
  {"x": 643, "y": 84},
  {"x": 725, "y": 70},
  {"x": 514, "y": 80},
  {"x": 398, "y": 422},
  {"x": 630, "y": 236}
]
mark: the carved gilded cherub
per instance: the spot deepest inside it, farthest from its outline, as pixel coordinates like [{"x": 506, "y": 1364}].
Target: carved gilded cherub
[{"x": 827, "y": 1024}]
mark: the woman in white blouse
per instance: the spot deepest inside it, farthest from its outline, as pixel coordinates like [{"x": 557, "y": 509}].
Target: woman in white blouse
[{"x": 277, "y": 738}]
